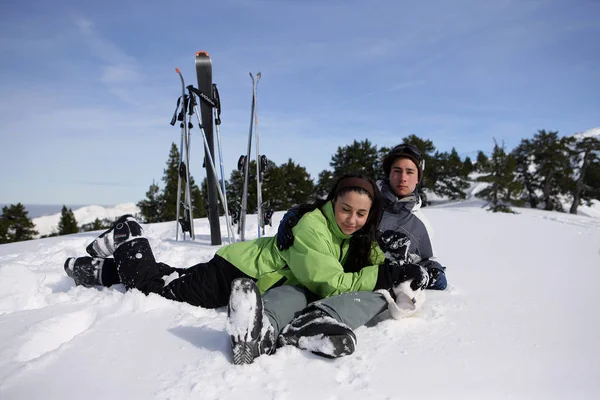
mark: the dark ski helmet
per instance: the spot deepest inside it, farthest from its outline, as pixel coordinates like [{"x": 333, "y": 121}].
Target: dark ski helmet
[{"x": 409, "y": 151}]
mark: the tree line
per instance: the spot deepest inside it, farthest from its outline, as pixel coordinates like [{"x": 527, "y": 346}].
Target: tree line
[{"x": 545, "y": 171}]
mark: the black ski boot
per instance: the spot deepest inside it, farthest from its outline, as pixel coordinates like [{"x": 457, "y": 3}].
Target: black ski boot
[
  {"x": 250, "y": 329},
  {"x": 123, "y": 230},
  {"x": 316, "y": 331},
  {"x": 85, "y": 271}
]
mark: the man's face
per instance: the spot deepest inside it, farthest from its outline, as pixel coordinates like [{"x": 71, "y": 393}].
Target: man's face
[{"x": 404, "y": 176}]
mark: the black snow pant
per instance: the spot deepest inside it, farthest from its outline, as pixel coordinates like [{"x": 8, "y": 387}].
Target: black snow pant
[{"x": 206, "y": 285}]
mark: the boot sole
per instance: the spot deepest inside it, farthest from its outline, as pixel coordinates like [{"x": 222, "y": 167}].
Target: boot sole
[{"x": 244, "y": 321}]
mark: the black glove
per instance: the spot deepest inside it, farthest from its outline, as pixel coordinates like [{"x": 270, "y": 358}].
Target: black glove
[
  {"x": 391, "y": 274},
  {"x": 395, "y": 246},
  {"x": 285, "y": 236}
]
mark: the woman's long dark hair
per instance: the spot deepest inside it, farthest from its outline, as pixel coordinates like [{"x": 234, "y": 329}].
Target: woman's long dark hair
[{"x": 362, "y": 241}]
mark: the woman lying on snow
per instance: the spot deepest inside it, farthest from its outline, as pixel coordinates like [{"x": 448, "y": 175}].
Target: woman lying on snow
[
  {"x": 334, "y": 252},
  {"x": 403, "y": 235}
]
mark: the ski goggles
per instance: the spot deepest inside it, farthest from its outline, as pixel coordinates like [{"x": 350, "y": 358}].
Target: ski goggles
[{"x": 412, "y": 151}]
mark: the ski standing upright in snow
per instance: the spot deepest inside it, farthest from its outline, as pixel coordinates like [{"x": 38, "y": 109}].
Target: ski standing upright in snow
[
  {"x": 205, "y": 118},
  {"x": 184, "y": 222},
  {"x": 244, "y": 162},
  {"x": 259, "y": 158}
]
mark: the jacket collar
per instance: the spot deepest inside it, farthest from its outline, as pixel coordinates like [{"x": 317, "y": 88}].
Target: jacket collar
[
  {"x": 327, "y": 211},
  {"x": 412, "y": 202}
]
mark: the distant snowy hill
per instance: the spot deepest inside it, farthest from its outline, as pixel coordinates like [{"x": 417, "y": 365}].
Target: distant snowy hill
[
  {"x": 519, "y": 320},
  {"x": 48, "y": 224},
  {"x": 594, "y": 132}
]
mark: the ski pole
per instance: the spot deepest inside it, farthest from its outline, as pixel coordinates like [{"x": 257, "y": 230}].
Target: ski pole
[
  {"x": 217, "y": 100},
  {"x": 230, "y": 232}
]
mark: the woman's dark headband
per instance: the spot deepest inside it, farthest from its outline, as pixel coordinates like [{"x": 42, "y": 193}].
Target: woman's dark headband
[{"x": 354, "y": 181}]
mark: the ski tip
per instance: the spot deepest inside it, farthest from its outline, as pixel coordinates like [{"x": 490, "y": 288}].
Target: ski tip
[
  {"x": 202, "y": 52},
  {"x": 177, "y": 70}
]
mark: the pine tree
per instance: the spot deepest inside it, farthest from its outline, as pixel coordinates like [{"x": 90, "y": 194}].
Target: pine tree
[
  {"x": 359, "y": 157},
  {"x": 468, "y": 166},
  {"x": 447, "y": 175},
  {"x": 552, "y": 158},
  {"x": 592, "y": 180},
  {"x": 67, "y": 223},
  {"x": 526, "y": 173},
  {"x": 160, "y": 206},
  {"x": 198, "y": 198},
  {"x": 379, "y": 172},
  {"x": 16, "y": 226},
  {"x": 97, "y": 225},
  {"x": 503, "y": 189},
  {"x": 482, "y": 162},
  {"x": 4, "y": 226},
  {"x": 585, "y": 157},
  {"x": 151, "y": 207},
  {"x": 324, "y": 183},
  {"x": 169, "y": 193},
  {"x": 287, "y": 185},
  {"x": 235, "y": 190}
]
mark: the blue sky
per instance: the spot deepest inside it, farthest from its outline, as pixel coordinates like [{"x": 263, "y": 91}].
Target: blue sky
[{"x": 88, "y": 88}]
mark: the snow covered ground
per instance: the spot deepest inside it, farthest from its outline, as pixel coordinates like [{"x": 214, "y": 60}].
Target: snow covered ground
[{"x": 519, "y": 320}]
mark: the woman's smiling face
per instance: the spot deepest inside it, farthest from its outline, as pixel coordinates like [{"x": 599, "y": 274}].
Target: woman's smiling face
[{"x": 351, "y": 211}]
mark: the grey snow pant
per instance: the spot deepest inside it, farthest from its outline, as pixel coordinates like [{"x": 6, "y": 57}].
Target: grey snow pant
[{"x": 283, "y": 303}]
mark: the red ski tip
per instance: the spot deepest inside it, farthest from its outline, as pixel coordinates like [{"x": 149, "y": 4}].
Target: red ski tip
[
  {"x": 201, "y": 52},
  {"x": 176, "y": 69}
]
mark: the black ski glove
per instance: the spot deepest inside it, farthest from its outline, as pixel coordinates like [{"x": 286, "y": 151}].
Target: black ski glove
[
  {"x": 285, "y": 236},
  {"x": 395, "y": 246},
  {"x": 391, "y": 274}
]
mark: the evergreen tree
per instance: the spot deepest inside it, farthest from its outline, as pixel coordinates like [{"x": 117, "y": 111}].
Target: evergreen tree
[
  {"x": 447, "y": 175},
  {"x": 468, "y": 166},
  {"x": 552, "y": 157},
  {"x": 526, "y": 173},
  {"x": 151, "y": 207},
  {"x": 198, "y": 199},
  {"x": 544, "y": 169},
  {"x": 15, "y": 224},
  {"x": 67, "y": 223},
  {"x": 287, "y": 185},
  {"x": 97, "y": 225},
  {"x": 324, "y": 183},
  {"x": 359, "y": 157},
  {"x": 282, "y": 187},
  {"x": 482, "y": 163},
  {"x": 503, "y": 189},
  {"x": 160, "y": 206},
  {"x": 585, "y": 156},
  {"x": 379, "y": 172},
  {"x": 4, "y": 226},
  {"x": 236, "y": 189},
  {"x": 169, "y": 193},
  {"x": 592, "y": 180}
]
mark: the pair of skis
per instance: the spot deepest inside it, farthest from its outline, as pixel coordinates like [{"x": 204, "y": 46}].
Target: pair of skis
[
  {"x": 204, "y": 113},
  {"x": 243, "y": 167}
]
